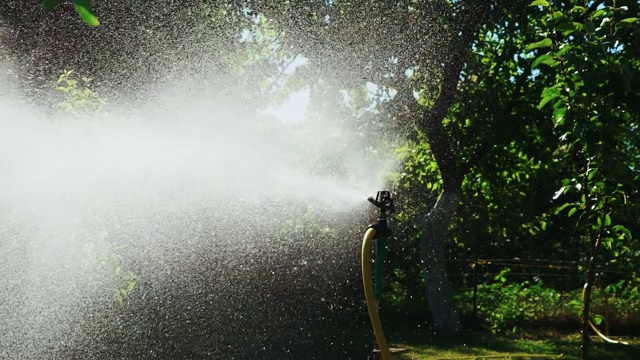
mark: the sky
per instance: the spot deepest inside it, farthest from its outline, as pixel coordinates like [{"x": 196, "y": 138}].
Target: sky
[{"x": 294, "y": 108}]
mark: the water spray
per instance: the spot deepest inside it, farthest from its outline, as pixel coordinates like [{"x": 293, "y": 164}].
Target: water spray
[
  {"x": 171, "y": 180},
  {"x": 378, "y": 231}
]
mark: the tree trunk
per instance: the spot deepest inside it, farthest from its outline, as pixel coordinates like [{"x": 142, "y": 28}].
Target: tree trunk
[
  {"x": 465, "y": 24},
  {"x": 586, "y": 293},
  {"x": 438, "y": 287}
]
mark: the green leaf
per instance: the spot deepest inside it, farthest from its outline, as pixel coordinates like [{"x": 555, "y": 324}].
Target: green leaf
[
  {"x": 51, "y": 4},
  {"x": 544, "y": 101},
  {"x": 572, "y": 211},
  {"x": 565, "y": 28},
  {"x": 543, "y": 3},
  {"x": 551, "y": 62},
  {"x": 559, "y": 115},
  {"x": 607, "y": 220},
  {"x": 578, "y": 26},
  {"x": 575, "y": 304},
  {"x": 592, "y": 173},
  {"x": 564, "y": 49},
  {"x": 597, "y": 319},
  {"x": 546, "y": 59},
  {"x": 83, "y": 8},
  {"x": 540, "y": 59},
  {"x": 629, "y": 20},
  {"x": 542, "y": 43},
  {"x": 549, "y": 94},
  {"x": 564, "y": 206},
  {"x": 622, "y": 229},
  {"x": 578, "y": 10},
  {"x": 597, "y": 13},
  {"x": 624, "y": 24}
]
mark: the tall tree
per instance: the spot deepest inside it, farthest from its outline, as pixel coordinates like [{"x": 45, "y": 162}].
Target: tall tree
[
  {"x": 431, "y": 38},
  {"x": 590, "y": 47}
]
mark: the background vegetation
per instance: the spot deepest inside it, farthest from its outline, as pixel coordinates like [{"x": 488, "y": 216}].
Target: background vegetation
[{"x": 520, "y": 143}]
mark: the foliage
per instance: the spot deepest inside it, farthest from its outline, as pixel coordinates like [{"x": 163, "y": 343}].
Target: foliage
[
  {"x": 83, "y": 8},
  {"x": 508, "y": 306},
  {"x": 77, "y": 95},
  {"x": 104, "y": 271},
  {"x": 592, "y": 110},
  {"x": 593, "y": 101},
  {"x": 624, "y": 297},
  {"x": 507, "y": 210}
]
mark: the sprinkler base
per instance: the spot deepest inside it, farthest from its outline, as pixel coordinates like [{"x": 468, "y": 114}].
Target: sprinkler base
[
  {"x": 393, "y": 350},
  {"x": 377, "y": 354}
]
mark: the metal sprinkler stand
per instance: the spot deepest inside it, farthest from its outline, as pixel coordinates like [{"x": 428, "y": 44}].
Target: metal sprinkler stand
[
  {"x": 378, "y": 231},
  {"x": 384, "y": 202}
]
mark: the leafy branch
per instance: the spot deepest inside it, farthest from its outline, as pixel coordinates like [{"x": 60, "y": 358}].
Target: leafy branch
[{"x": 83, "y": 8}]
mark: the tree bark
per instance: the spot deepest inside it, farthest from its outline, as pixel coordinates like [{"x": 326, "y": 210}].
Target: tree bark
[
  {"x": 466, "y": 24},
  {"x": 586, "y": 293},
  {"x": 438, "y": 287}
]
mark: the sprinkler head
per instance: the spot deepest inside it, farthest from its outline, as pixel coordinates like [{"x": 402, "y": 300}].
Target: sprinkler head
[{"x": 384, "y": 202}]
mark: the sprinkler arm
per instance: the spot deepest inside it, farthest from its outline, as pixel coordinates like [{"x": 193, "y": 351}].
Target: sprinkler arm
[{"x": 384, "y": 202}]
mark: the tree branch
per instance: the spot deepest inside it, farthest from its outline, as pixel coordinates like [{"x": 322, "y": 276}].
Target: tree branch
[{"x": 468, "y": 21}]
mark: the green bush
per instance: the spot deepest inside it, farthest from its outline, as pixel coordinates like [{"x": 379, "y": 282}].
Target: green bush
[{"x": 507, "y": 307}]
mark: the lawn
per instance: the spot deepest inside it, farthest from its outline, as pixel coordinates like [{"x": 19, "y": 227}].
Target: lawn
[{"x": 483, "y": 345}]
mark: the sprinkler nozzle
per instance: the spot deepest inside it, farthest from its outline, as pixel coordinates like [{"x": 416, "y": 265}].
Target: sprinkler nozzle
[{"x": 384, "y": 202}]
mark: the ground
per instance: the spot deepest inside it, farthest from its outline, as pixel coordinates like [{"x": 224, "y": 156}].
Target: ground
[{"x": 484, "y": 345}]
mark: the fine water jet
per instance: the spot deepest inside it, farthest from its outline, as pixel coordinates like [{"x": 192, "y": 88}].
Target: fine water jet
[
  {"x": 176, "y": 222},
  {"x": 136, "y": 234}
]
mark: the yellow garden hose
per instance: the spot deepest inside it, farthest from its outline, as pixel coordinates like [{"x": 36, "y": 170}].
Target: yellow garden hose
[
  {"x": 372, "y": 305},
  {"x": 595, "y": 329}
]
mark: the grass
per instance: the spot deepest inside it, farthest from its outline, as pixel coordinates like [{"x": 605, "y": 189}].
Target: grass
[{"x": 482, "y": 345}]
